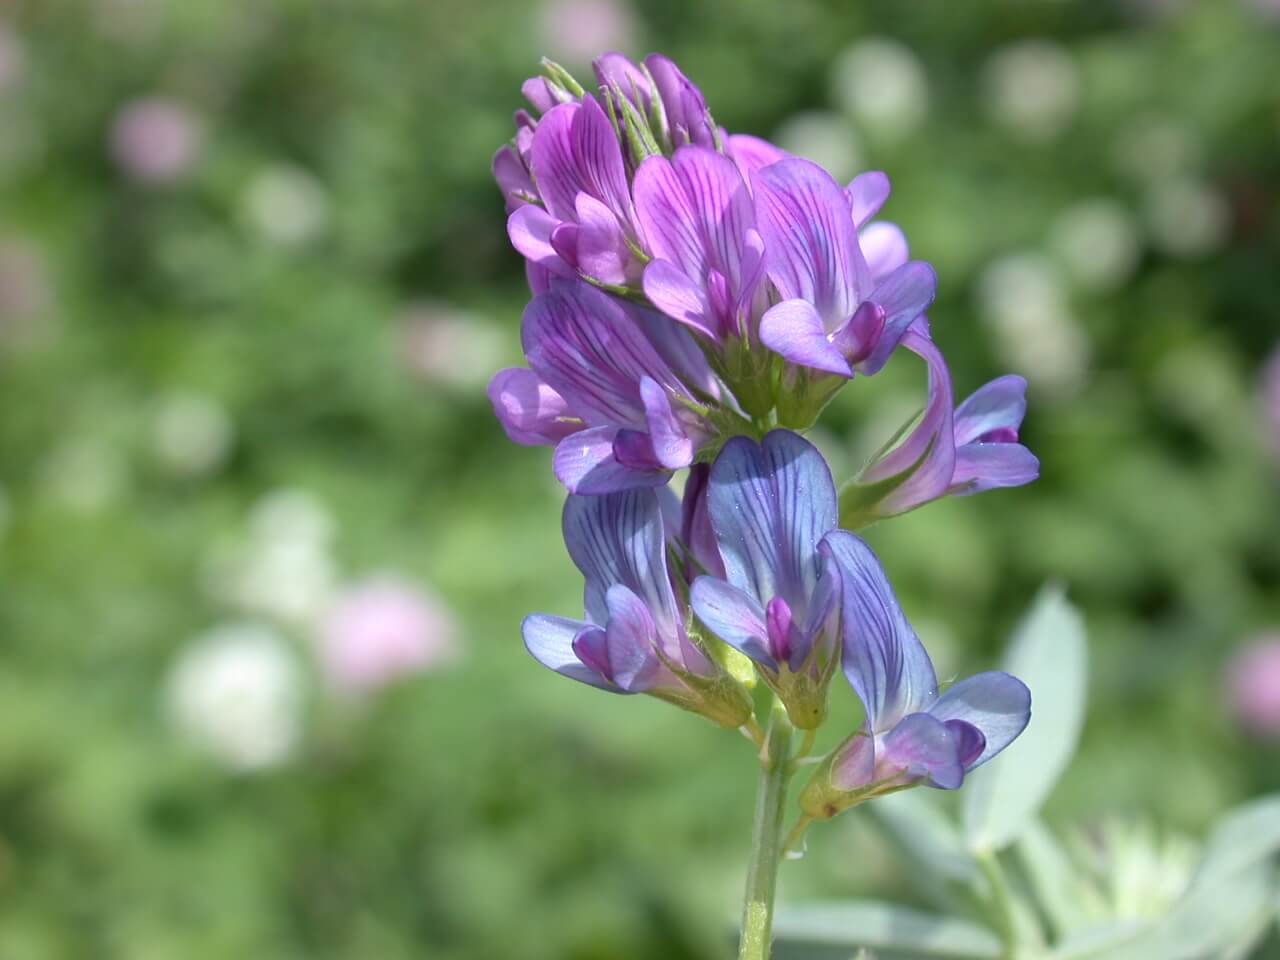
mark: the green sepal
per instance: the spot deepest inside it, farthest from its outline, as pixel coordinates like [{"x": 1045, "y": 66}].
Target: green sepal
[{"x": 562, "y": 78}]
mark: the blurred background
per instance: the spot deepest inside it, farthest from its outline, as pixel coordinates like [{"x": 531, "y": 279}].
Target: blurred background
[{"x": 264, "y": 549}]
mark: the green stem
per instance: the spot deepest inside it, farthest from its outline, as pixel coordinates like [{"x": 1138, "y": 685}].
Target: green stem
[
  {"x": 1001, "y": 903},
  {"x": 766, "y": 838}
]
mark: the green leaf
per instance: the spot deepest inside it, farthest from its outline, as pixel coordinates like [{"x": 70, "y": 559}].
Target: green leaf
[
  {"x": 1047, "y": 653},
  {"x": 884, "y": 926},
  {"x": 1208, "y": 922},
  {"x": 1246, "y": 836},
  {"x": 1066, "y": 898},
  {"x": 925, "y": 834}
]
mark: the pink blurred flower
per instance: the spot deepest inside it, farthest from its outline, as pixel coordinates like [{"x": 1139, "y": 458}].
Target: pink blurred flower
[
  {"x": 1253, "y": 686},
  {"x": 156, "y": 139},
  {"x": 381, "y": 629},
  {"x": 26, "y": 293},
  {"x": 12, "y": 57},
  {"x": 578, "y": 30}
]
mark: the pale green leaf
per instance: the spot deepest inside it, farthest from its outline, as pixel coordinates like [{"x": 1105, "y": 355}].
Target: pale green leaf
[
  {"x": 1047, "y": 653},
  {"x": 883, "y": 926}
]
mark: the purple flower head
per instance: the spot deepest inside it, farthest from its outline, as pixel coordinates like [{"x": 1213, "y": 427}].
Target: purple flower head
[
  {"x": 633, "y": 639},
  {"x": 911, "y": 735},
  {"x": 772, "y": 506},
  {"x": 699, "y": 222},
  {"x": 962, "y": 451},
  {"x": 610, "y": 387},
  {"x": 835, "y": 316},
  {"x": 1253, "y": 686},
  {"x": 585, "y": 223}
]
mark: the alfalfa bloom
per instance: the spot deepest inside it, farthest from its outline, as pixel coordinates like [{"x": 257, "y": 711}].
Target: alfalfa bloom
[
  {"x": 960, "y": 451},
  {"x": 624, "y": 394},
  {"x": 912, "y": 734},
  {"x": 634, "y": 638},
  {"x": 1253, "y": 686},
  {"x": 156, "y": 140},
  {"x": 834, "y": 316},
  {"x": 772, "y": 505}
]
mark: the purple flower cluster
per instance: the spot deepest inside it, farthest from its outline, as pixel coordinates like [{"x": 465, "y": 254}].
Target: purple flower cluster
[
  {"x": 693, "y": 290},
  {"x": 790, "y": 592},
  {"x": 691, "y": 285}
]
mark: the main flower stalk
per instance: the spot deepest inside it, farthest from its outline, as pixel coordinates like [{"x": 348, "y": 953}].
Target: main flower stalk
[{"x": 766, "y": 837}]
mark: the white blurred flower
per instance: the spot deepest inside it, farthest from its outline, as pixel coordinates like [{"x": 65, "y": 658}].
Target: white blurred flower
[
  {"x": 286, "y": 206},
  {"x": 882, "y": 84},
  {"x": 381, "y": 629},
  {"x": 448, "y": 345},
  {"x": 285, "y": 568},
  {"x": 1186, "y": 217},
  {"x": 825, "y": 138},
  {"x": 1138, "y": 872},
  {"x": 579, "y": 30},
  {"x": 1098, "y": 242},
  {"x": 1032, "y": 89},
  {"x": 1157, "y": 147},
  {"x": 1253, "y": 686},
  {"x": 191, "y": 434},
  {"x": 12, "y": 57},
  {"x": 156, "y": 140},
  {"x": 235, "y": 692},
  {"x": 85, "y": 473},
  {"x": 1023, "y": 301}
]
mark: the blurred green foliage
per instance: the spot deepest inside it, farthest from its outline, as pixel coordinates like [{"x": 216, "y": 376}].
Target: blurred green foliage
[{"x": 337, "y": 210}]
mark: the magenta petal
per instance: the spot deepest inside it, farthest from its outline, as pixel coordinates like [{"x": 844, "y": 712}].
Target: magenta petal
[
  {"x": 512, "y": 177},
  {"x": 734, "y": 616},
  {"x": 854, "y": 765},
  {"x": 600, "y": 157},
  {"x": 970, "y": 741},
  {"x": 602, "y": 251},
  {"x": 619, "y": 539},
  {"x": 530, "y": 411},
  {"x": 771, "y": 504},
  {"x": 810, "y": 241},
  {"x": 903, "y": 295},
  {"x": 929, "y": 448},
  {"x": 591, "y": 351},
  {"x": 883, "y": 659},
  {"x": 682, "y": 102},
  {"x": 794, "y": 330},
  {"x": 986, "y": 466},
  {"x": 997, "y": 703},
  {"x": 998, "y": 406},
  {"x": 923, "y": 748},
  {"x": 669, "y": 217},
  {"x": 751, "y": 153},
  {"x": 540, "y": 94},
  {"x": 696, "y": 532},
  {"x": 857, "y": 338},
  {"x": 555, "y": 163},
  {"x": 671, "y": 444},
  {"x": 631, "y": 635},
  {"x": 585, "y": 463},
  {"x": 885, "y": 247},
  {"x": 550, "y": 640},
  {"x": 617, "y": 72},
  {"x": 867, "y": 194},
  {"x": 530, "y": 229},
  {"x": 672, "y": 292},
  {"x": 564, "y": 241},
  {"x": 722, "y": 206},
  {"x": 678, "y": 350}
]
